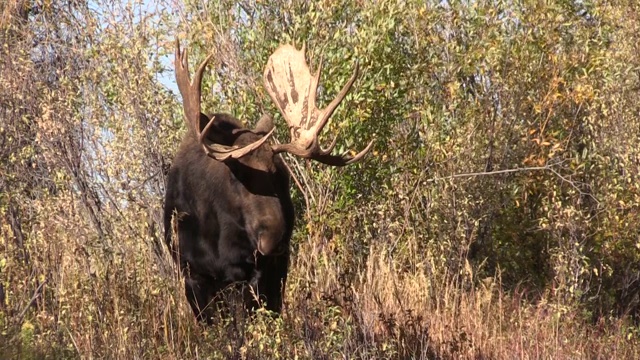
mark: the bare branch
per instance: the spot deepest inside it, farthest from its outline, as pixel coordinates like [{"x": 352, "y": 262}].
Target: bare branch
[
  {"x": 485, "y": 173},
  {"x": 298, "y": 184},
  {"x": 35, "y": 296},
  {"x": 508, "y": 171}
]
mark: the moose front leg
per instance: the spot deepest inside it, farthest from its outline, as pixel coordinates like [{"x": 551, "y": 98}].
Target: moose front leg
[
  {"x": 200, "y": 291},
  {"x": 270, "y": 279}
]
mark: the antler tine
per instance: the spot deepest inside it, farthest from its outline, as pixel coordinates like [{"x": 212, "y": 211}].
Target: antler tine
[
  {"x": 197, "y": 76},
  {"x": 324, "y": 156},
  {"x": 328, "y": 111},
  {"x": 190, "y": 89},
  {"x": 330, "y": 148},
  {"x": 223, "y": 152},
  {"x": 182, "y": 70},
  {"x": 343, "y": 160},
  {"x": 361, "y": 154}
]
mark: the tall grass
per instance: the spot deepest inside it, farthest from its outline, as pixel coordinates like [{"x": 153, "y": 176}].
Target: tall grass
[{"x": 132, "y": 306}]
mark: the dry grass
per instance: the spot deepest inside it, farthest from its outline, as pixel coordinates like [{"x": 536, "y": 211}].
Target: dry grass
[{"x": 78, "y": 296}]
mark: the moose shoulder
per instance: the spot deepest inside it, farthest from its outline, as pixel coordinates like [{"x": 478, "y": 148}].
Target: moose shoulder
[{"x": 228, "y": 197}]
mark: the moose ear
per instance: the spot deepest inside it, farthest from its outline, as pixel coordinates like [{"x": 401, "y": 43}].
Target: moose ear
[{"x": 264, "y": 125}]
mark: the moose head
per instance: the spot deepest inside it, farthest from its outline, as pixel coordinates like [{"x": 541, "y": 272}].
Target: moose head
[{"x": 292, "y": 88}]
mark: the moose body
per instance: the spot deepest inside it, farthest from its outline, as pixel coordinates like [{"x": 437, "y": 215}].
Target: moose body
[
  {"x": 228, "y": 198},
  {"x": 233, "y": 219}
]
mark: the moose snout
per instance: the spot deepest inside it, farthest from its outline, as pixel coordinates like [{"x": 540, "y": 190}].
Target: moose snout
[{"x": 269, "y": 242}]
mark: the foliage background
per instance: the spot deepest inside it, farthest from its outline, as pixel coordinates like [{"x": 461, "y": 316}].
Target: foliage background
[{"x": 497, "y": 217}]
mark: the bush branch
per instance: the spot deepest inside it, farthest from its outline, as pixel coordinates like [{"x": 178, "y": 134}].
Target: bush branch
[{"x": 523, "y": 169}]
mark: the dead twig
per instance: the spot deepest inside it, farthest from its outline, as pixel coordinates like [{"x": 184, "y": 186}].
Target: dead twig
[
  {"x": 34, "y": 297},
  {"x": 508, "y": 171}
]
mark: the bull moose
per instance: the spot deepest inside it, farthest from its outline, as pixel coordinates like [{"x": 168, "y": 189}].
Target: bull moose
[{"x": 228, "y": 198}]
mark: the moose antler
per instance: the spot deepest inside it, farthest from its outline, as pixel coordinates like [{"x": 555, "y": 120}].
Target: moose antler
[
  {"x": 191, "y": 97},
  {"x": 289, "y": 83}
]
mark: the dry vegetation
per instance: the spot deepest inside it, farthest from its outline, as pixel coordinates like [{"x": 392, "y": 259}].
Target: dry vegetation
[{"x": 497, "y": 219}]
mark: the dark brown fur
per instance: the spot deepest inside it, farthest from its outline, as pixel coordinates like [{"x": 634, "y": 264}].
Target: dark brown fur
[{"x": 222, "y": 212}]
